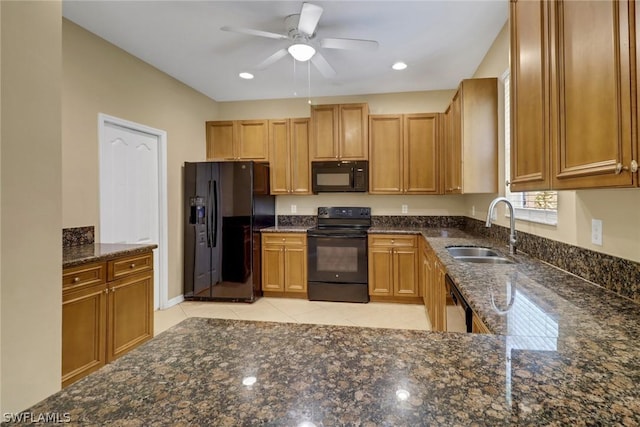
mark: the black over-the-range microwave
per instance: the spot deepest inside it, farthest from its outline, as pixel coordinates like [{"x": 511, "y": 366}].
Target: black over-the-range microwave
[{"x": 340, "y": 176}]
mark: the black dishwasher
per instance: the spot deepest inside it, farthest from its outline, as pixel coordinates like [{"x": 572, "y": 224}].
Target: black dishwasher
[{"x": 459, "y": 314}]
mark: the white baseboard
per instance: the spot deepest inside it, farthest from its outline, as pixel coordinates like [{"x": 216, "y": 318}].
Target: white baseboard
[{"x": 174, "y": 301}]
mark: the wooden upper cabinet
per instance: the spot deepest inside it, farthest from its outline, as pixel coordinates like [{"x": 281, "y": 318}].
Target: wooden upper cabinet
[
  {"x": 299, "y": 156},
  {"x": 238, "y": 140},
  {"x": 385, "y": 154},
  {"x": 404, "y": 154},
  {"x": 289, "y": 154},
  {"x": 530, "y": 150},
  {"x": 591, "y": 90},
  {"x": 571, "y": 92},
  {"x": 471, "y": 147},
  {"x": 253, "y": 137},
  {"x": 421, "y": 154},
  {"x": 220, "y": 140},
  {"x": 339, "y": 132}
]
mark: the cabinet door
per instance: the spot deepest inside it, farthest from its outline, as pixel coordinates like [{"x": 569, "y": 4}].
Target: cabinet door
[
  {"x": 453, "y": 148},
  {"x": 279, "y": 155},
  {"x": 272, "y": 267},
  {"x": 591, "y": 106},
  {"x": 324, "y": 127},
  {"x": 381, "y": 271},
  {"x": 220, "y": 140},
  {"x": 385, "y": 154},
  {"x": 130, "y": 313},
  {"x": 253, "y": 137},
  {"x": 300, "y": 170},
  {"x": 440, "y": 296},
  {"x": 405, "y": 272},
  {"x": 84, "y": 324},
  {"x": 295, "y": 262},
  {"x": 421, "y": 154},
  {"x": 353, "y": 137},
  {"x": 530, "y": 157}
]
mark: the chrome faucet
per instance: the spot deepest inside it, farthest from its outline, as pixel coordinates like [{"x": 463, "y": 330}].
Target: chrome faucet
[{"x": 512, "y": 236}]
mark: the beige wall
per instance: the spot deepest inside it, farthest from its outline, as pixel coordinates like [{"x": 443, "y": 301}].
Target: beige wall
[
  {"x": 30, "y": 307},
  {"x": 617, "y": 208},
  {"x": 101, "y": 78}
]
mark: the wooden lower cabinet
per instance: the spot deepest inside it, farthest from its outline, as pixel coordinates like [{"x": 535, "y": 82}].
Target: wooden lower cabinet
[
  {"x": 393, "y": 267},
  {"x": 104, "y": 317},
  {"x": 433, "y": 288},
  {"x": 284, "y": 264},
  {"x": 478, "y": 326}
]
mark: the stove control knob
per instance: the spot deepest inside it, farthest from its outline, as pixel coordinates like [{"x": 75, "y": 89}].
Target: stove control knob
[{"x": 323, "y": 211}]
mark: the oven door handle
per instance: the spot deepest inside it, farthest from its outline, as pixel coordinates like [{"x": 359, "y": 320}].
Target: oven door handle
[{"x": 339, "y": 236}]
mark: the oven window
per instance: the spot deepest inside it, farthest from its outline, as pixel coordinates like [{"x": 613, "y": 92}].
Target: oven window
[
  {"x": 338, "y": 259},
  {"x": 333, "y": 179}
]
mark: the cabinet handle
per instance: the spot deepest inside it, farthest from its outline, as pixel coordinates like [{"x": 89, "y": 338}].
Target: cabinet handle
[
  {"x": 106, "y": 291},
  {"x": 113, "y": 289},
  {"x": 76, "y": 279},
  {"x": 392, "y": 241},
  {"x": 132, "y": 265},
  {"x": 633, "y": 168}
]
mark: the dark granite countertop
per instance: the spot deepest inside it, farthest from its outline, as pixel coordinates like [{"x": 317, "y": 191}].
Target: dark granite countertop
[
  {"x": 286, "y": 229},
  {"x": 96, "y": 252},
  {"x": 565, "y": 352},
  {"x": 316, "y": 375}
]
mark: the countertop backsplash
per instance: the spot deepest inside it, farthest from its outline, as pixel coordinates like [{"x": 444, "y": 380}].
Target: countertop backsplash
[
  {"x": 619, "y": 275},
  {"x": 78, "y": 236}
]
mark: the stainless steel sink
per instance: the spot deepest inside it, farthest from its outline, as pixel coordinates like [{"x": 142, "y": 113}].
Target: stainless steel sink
[
  {"x": 485, "y": 259},
  {"x": 477, "y": 254},
  {"x": 471, "y": 251}
]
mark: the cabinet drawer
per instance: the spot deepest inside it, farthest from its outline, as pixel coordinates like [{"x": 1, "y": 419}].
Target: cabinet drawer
[
  {"x": 392, "y": 240},
  {"x": 284, "y": 238},
  {"x": 83, "y": 275},
  {"x": 122, "y": 267}
]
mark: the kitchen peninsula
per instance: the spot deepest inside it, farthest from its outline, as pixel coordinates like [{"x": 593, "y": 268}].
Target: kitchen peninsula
[{"x": 563, "y": 353}]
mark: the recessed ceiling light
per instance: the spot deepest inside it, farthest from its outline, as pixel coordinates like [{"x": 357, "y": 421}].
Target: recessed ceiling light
[
  {"x": 246, "y": 76},
  {"x": 399, "y": 66}
]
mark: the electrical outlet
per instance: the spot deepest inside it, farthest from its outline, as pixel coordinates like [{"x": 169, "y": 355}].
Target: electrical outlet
[
  {"x": 294, "y": 208},
  {"x": 596, "y": 232},
  {"x": 473, "y": 210},
  {"x": 405, "y": 208}
]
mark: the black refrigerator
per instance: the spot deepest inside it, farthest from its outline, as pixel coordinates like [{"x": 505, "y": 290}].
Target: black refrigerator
[{"x": 225, "y": 206}]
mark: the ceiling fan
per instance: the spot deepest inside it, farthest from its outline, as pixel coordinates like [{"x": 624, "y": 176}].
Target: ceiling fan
[{"x": 301, "y": 32}]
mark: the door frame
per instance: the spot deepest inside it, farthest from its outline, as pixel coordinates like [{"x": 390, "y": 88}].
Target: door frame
[{"x": 162, "y": 251}]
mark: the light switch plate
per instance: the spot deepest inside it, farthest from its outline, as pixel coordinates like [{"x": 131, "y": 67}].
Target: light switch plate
[
  {"x": 405, "y": 208},
  {"x": 596, "y": 232},
  {"x": 294, "y": 208}
]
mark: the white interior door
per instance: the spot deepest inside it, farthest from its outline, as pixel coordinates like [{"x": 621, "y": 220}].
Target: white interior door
[{"x": 130, "y": 189}]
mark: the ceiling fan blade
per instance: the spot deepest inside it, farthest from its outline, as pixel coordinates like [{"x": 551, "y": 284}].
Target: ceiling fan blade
[
  {"x": 323, "y": 66},
  {"x": 272, "y": 59},
  {"x": 309, "y": 17},
  {"x": 251, "y": 32},
  {"x": 349, "y": 44}
]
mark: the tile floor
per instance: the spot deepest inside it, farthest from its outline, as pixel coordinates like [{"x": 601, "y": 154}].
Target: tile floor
[{"x": 373, "y": 314}]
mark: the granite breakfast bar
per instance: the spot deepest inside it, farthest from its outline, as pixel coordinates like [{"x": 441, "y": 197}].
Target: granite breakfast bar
[{"x": 564, "y": 352}]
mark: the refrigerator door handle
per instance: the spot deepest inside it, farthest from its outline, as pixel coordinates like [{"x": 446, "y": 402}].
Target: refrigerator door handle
[
  {"x": 208, "y": 220},
  {"x": 215, "y": 214}
]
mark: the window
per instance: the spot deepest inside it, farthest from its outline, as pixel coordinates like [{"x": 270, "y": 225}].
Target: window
[{"x": 533, "y": 206}]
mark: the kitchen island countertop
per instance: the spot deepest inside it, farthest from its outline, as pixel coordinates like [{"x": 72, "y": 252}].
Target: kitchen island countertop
[{"x": 564, "y": 352}]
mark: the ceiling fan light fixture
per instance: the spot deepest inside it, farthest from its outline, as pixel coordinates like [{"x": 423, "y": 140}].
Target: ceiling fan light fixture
[
  {"x": 301, "y": 51},
  {"x": 399, "y": 66}
]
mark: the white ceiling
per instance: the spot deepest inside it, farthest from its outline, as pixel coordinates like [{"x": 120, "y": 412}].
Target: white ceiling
[{"x": 443, "y": 42}]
